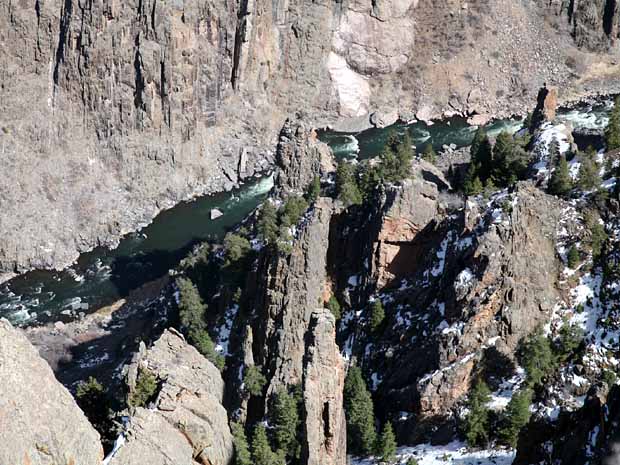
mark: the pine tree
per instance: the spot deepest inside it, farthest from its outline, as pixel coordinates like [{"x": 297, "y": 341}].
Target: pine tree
[
  {"x": 429, "y": 154},
  {"x": 268, "y": 223},
  {"x": 482, "y": 154},
  {"x": 477, "y": 421},
  {"x": 509, "y": 160},
  {"x": 377, "y": 314},
  {"x": 571, "y": 338},
  {"x": 285, "y": 421},
  {"x": 192, "y": 313},
  {"x": 589, "y": 178},
  {"x": 386, "y": 447},
  {"x": 242, "y": 448},
  {"x": 537, "y": 358},
  {"x": 598, "y": 236},
  {"x": 144, "y": 390},
  {"x": 314, "y": 190},
  {"x": 92, "y": 399},
  {"x": 612, "y": 133},
  {"x": 334, "y": 306},
  {"x": 361, "y": 434},
  {"x": 516, "y": 416},
  {"x": 254, "y": 380},
  {"x": 572, "y": 257},
  {"x": 237, "y": 248},
  {"x": 472, "y": 185},
  {"x": 560, "y": 183},
  {"x": 261, "y": 450},
  {"x": 346, "y": 186}
]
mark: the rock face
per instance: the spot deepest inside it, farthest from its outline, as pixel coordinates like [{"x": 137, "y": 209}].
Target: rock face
[
  {"x": 407, "y": 211},
  {"x": 459, "y": 284},
  {"x": 546, "y": 106},
  {"x": 588, "y": 435},
  {"x": 325, "y": 426},
  {"x": 111, "y": 111},
  {"x": 187, "y": 423},
  {"x": 300, "y": 157},
  {"x": 33, "y": 432}
]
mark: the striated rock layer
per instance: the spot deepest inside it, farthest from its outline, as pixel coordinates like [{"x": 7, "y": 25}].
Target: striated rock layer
[{"x": 113, "y": 110}]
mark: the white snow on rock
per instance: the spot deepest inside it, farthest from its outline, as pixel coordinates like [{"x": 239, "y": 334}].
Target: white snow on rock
[{"x": 454, "y": 453}]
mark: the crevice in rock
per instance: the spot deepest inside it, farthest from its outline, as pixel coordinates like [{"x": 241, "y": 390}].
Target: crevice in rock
[
  {"x": 609, "y": 17},
  {"x": 65, "y": 22}
]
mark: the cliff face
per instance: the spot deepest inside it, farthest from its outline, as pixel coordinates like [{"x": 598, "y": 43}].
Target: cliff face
[
  {"x": 111, "y": 111},
  {"x": 40, "y": 423}
]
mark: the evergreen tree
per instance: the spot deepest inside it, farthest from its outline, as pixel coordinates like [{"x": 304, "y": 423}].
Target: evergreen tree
[
  {"x": 314, "y": 190},
  {"x": 293, "y": 210},
  {"x": 334, "y": 306},
  {"x": 192, "y": 313},
  {"x": 572, "y": 257},
  {"x": 254, "y": 380},
  {"x": 346, "y": 185},
  {"x": 482, "y": 154},
  {"x": 429, "y": 154},
  {"x": 361, "y": 434},
  {"x": 369, "y": 178},
  {"x": 237, "y": 248},
  {"x": 477, "y": 421},
  {"x": 144, "y": 390},
  {"x": 553, "y": 152},
  {"x": 516, "y": 416},
  {"x": 285, "y": 421},
  {"x": 598, "y": 236},
  {"x": 377, "y": 314},
  {"x": 612, "y": 133},
  {"x": 571, "y": 338},
  {"x": 537, "y": 358},
  {"x": 386, "y": 447},
  {"x": 261, "y": 450},
  {"x": 560, "y": 183},
  {"x": 589, "y": 178},
  {"x": 509, "y": 160},
  {"x": 268, "y": 223},
  {"x": 92, "y": 399},
  {"x": 472, "y": 185},
  {"x": 242, "y": 448}
]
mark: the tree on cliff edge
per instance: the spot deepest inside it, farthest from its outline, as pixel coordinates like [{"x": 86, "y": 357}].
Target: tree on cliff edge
[{"x": 612, "y": 133}]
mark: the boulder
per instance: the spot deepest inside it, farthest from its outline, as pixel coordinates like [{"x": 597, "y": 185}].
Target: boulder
[
  {"x": 40, "y": 422},
  {"x": 186, "y": 422}
]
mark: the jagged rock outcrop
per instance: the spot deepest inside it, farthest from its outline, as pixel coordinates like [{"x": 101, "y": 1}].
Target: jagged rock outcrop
[
  {"x": 325, "y": 426},
  {"x": 300, "y": 157},
  {"x": 546, "y": 106},
  {"x": 40, "y": 423},
  {"x": 111, "y": 111},
  {"x": 473, "y": 281},
  {"x": 587, "y": 435},
  {"x": 186, "y": 423},
  {"x": 407, "y": 210}
]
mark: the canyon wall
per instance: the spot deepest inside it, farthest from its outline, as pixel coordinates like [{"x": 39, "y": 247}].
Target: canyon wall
[{"x": 111, "y": 111}]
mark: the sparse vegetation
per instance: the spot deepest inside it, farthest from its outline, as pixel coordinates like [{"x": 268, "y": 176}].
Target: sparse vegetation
[
  {"x": 145, "y": 389},
  {"x": 334, "y": 306}
]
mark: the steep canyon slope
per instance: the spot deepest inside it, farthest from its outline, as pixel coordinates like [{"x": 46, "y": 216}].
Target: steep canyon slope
[{"x": 113, "y": 110}]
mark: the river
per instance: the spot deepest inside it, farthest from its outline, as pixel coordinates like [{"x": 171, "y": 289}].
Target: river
[{"x": 102, "y": 276}]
